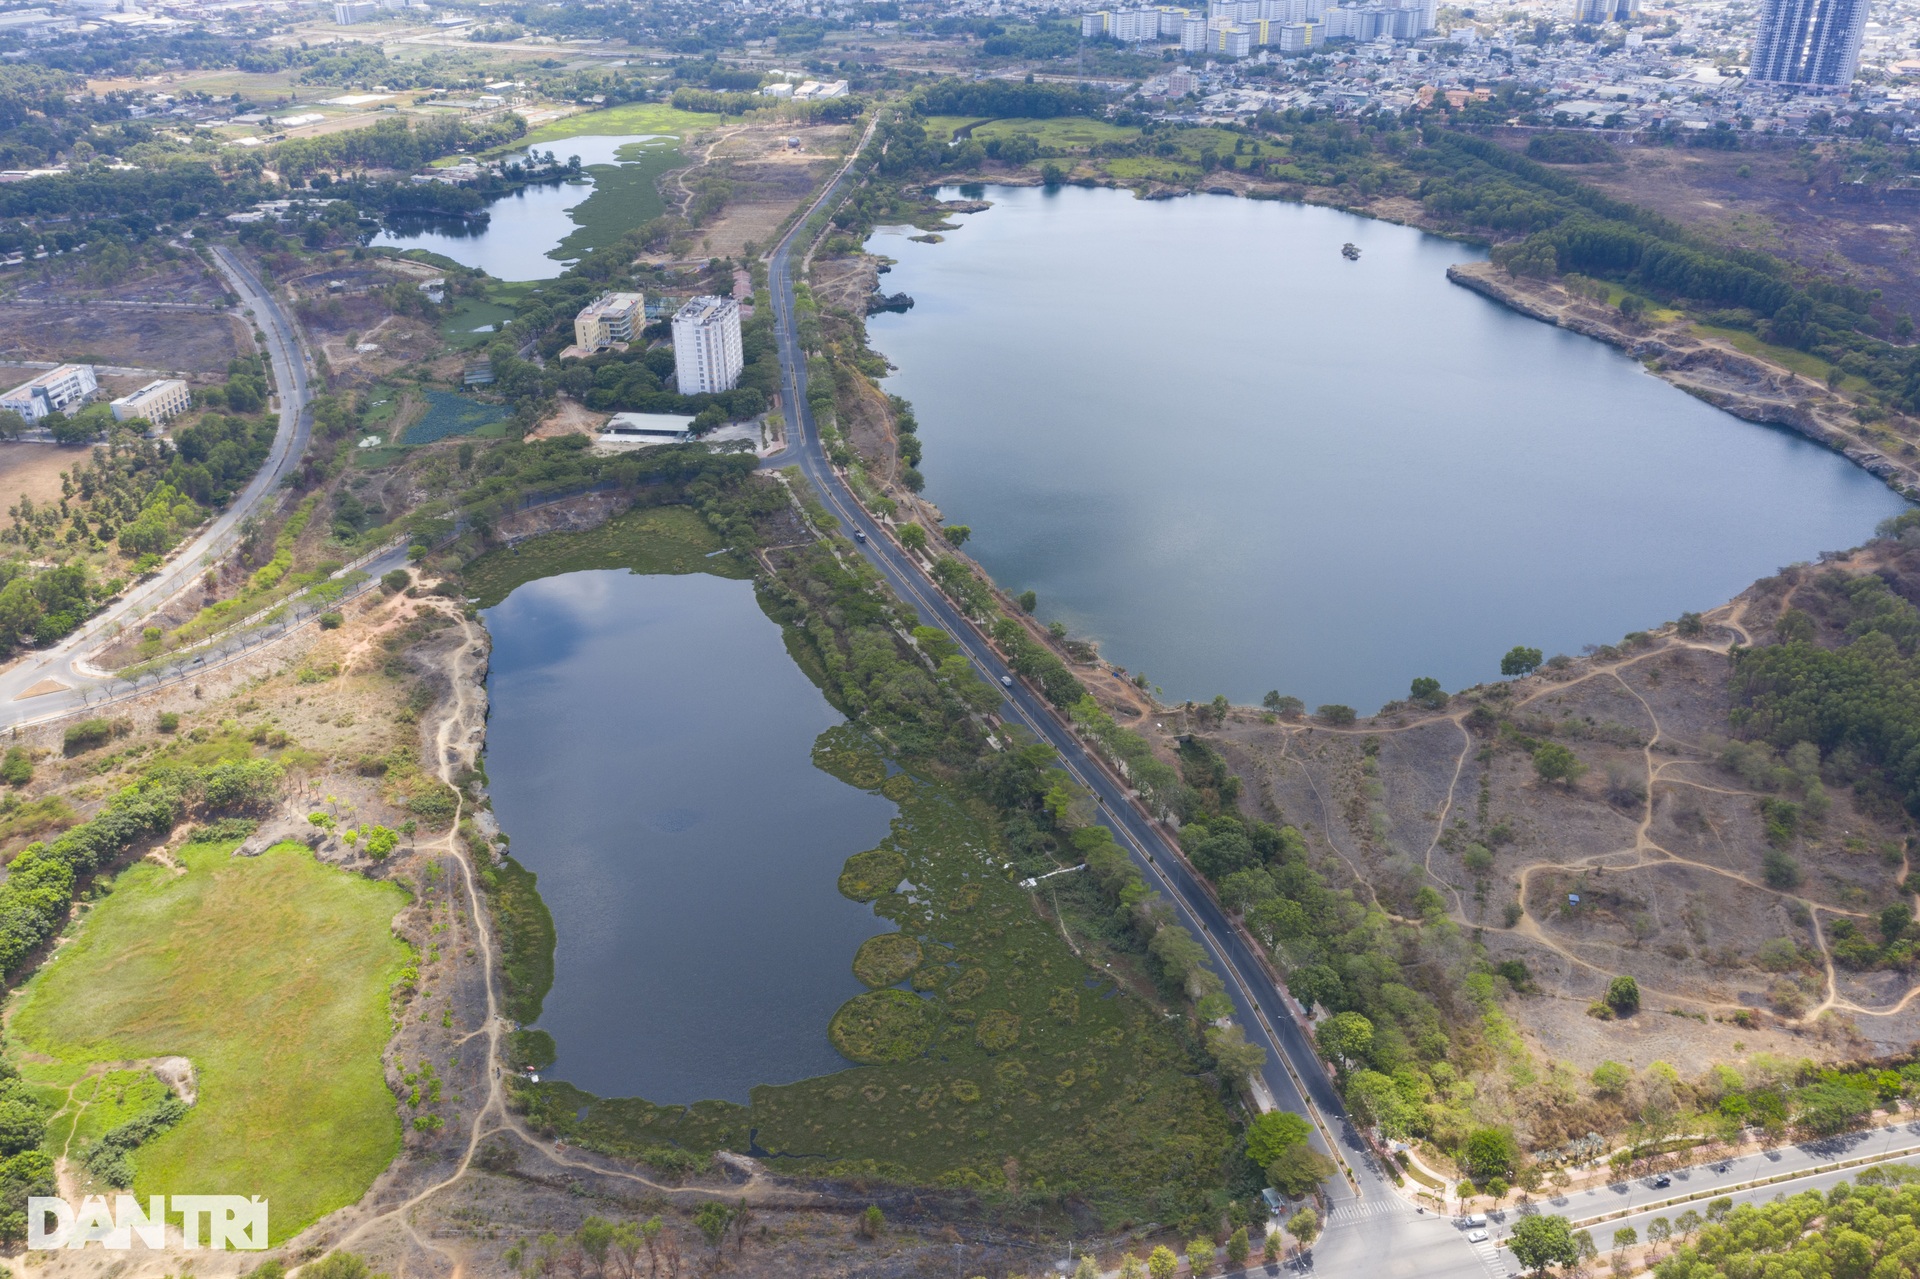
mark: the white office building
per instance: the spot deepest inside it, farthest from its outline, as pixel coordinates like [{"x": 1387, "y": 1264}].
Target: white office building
[
  {"x": 156, "y": 401},
  {"x": 55, "y": 391},
  {"x": 706, "y": 346},
  {"x": 348, "y": 12}
]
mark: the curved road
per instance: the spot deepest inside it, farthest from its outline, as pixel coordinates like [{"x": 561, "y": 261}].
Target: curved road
[
  {"x": 1392, "y": 1239},
  {"x": 64, "y": 662}
]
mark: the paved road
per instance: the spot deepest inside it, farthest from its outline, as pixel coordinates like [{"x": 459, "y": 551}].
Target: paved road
[
  {"x": 1370, "y": 1228},
  {"x": 64, "y": 661}
]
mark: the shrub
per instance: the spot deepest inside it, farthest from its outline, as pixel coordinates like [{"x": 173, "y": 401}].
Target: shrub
[
  {"x": 1623, "y": 996},
  {"x": 168, "y": 722},
  {"x": 88, "y": 734},
  {"x": 17, "y": 768},
  {"x": 331, "y": 621},
  {"x": 1337, "y": 715}
]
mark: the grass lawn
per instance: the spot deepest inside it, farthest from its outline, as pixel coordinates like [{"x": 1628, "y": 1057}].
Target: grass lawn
[
  {"x": 942, "y": 126},
  {"x": 660, "y": 539},
  {"x": 631, "y": 117},
  {"x": 1066, "y": 133},
  {"x": 271, "y": 974}
]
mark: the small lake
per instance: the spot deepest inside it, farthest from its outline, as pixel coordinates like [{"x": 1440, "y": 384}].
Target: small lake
[
  {"x": 649, "y": 750},
  {"x": 539, "y": 231},
  {"x": 1243, "y": 463}
]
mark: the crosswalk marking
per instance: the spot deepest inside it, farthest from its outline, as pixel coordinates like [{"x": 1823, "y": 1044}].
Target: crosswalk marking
[{"x": 1364, "y": 1209}]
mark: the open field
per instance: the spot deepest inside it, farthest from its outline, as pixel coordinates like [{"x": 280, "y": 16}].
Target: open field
[
  {"x": 770, "y": 179},
  {"x": 33, "y": 470},
  {"x": 1805, "y": 208},
  {"x": 631, "y": 117},
  {"x": 175, "y": 341},
  {"x": 271, "y": 974}
]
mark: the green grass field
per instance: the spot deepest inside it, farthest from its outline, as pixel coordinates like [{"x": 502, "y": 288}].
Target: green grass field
[
  {"x": 942, "y": 126},
  {"x": 659, "y": 539},
  {"x": 1065, "y": 133},
  {"x": 272, "y": 975},
  {"x": 631, "y": 117},
  {"x": 459, "y": 326}
]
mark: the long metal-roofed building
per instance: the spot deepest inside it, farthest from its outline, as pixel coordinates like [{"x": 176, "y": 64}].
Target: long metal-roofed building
[
  {"x": 706, "y": 346},
  {"x": 1809, "y": 42}
]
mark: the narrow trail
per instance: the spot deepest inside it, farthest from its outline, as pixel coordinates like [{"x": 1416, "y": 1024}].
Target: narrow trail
[
  {"x": 1643, "y": 852},
  {"x": 451, "y": 754}
]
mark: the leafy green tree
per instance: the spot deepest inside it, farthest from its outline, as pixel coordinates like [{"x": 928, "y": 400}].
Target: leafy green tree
[
  {"x": 1378, "y": 1101},
  {"x": 1029, "y": 601},
  {"x": 1273, "y": 1132},
  {"x": 957, "y": 534},
  {"x": 1520, "y": 660},
  {"x": 1305, "y": 1227},
  {"x": 1235, "y": 1058},
  {"x": 1280, "y": 704},
  {"x": 1238, "y": 1249},
  {"x": 714, "y": 1217},
  {"x": 1162, "y": 1263},
  {"x": 1299, "y": 1170},
  {"x": 1555, "y": 763},
  {"x": 1623, "y": 996},
  {"x": 1490, "y": 1152},
  {"x": 870, "y": 1223},
  {"x": 1659, "y": 1230},
  {"x": 1541, "y": 1241},
  {"x": 1624, "y": 1238},
  {"x": 1610, "y": 1078},
  {"x": 1087, "y": 1268},
  {"x": 16, "y": 769},
  {"x": 1347, "y": 1038},
  {"x": 1427, "y": 692},
  {"x": 1337, "y": 715},
  {"x": 912, "y": 536}
]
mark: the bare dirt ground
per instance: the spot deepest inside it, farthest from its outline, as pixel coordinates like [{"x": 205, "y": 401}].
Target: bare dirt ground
[
  {"x": 1805, "y": 211},
  {"x": 183, "y": 341},
  {"x": 770, "y": 179},
  {"x": 343, "y": 307},
  {"x": 845, "y": 282},
  {"x": 185, "y": 278},
  {"x": 1661, "y": 842},
  {"x": 569, "y": 417},
  {"x": 33, "y": 470}
]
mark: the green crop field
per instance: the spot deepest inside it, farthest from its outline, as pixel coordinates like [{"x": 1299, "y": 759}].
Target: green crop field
[
  {"x": 660, "y": 539},
  {"x": 272, "y": 975}
]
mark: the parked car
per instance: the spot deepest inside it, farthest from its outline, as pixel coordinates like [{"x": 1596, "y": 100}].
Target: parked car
[{"x": 1662, "y": 1182}]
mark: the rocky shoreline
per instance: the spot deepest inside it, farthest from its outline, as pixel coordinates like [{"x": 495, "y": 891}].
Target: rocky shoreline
[{"x": 1754, "y": 389}]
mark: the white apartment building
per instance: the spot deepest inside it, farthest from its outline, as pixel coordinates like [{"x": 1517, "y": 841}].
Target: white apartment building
[
  {"x": 156, "y": 401},
  {"x": 1298, "y": 36},
  {"x": 706, "y": 345},
  {"x": 348, "y": 12},
  {"x": 1193, "y": 35},
  {"x": 609, "y": 318},
  {"x": 55, "y": 391}
]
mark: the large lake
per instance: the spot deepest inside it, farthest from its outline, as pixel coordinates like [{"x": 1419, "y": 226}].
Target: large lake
[
  {"x": 539, "y": 231},
  {"x": 649, "y": 751},
  {"x": 1242, "y": 462}
]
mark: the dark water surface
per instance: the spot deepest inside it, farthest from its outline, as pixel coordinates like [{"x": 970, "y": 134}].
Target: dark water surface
[
  {"x": 649, "y": 754},
  {"x": 1242, "y": 462}
]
